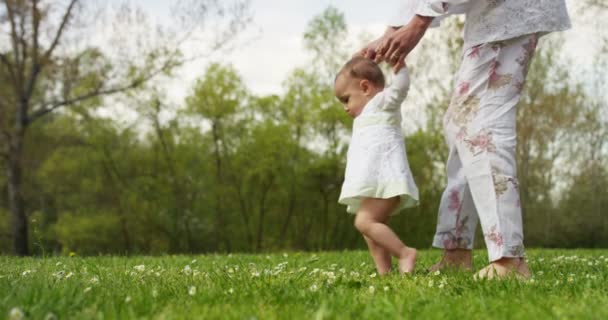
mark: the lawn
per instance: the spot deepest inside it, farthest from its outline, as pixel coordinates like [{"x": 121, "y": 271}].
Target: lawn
[{"x": 567, "y": 284}]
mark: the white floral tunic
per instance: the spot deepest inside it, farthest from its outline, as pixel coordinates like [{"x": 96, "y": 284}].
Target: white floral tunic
[
  {"x": 492, "y": 20},
  {"x": 377, "y": 165}
]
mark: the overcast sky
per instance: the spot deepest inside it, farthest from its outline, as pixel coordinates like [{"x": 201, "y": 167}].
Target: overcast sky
[{"x": 276, "y": 35}]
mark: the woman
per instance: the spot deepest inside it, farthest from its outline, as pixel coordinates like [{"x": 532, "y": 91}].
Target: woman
[{"x": 500, "y": 38}]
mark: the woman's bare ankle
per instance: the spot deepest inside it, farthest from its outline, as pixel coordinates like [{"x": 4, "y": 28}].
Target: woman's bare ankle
[{"x": 460, "y": 258}]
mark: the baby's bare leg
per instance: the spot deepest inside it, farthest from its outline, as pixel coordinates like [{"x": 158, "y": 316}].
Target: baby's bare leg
[
  {"x": 382, "y": 258},
  {"x": 370, "y": 221}
]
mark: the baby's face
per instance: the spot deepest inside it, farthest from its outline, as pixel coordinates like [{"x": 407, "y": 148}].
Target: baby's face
[{"x": 353, "y": 93}]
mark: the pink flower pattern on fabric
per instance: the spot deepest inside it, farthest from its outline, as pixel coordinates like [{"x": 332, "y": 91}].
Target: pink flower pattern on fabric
[
  {"x": 494, "y": 236},
  {"x": 481, "y": 142},
  {"x": 463, "y": 88},
  {"x": 454, "y": 203},
  {"x": 498, "y": 80},
  {"x": 474, "y": 52}
]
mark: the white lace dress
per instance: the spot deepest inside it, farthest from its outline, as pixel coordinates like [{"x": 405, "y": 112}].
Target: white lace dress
[
  {"x": 491, "y": 20},
  {"x": 377, "y": 165}
]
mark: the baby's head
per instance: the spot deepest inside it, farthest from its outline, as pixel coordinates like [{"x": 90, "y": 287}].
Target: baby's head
[{"x": 359, "y": 80}]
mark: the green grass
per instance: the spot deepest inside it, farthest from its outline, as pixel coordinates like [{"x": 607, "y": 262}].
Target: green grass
[{"x": 567, "y": 284}]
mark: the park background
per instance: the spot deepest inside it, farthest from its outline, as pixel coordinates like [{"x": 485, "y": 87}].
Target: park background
[{"x": 210, "y": 126}]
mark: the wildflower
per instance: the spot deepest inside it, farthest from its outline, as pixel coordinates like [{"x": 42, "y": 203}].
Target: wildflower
[
  {"x": 362, "y": 264},
  {"x": 354, "y": 274},
  {"x": 16, "y": 314},
  {"x": 72, "y": 254},
  {"x": 431, "y": 283},
  {"x": 386, "y": 288},
  {"x": 58, "y": 263},
  {"x": 87, "y": 289},
  {"x": 59, "y": 274},
  {"x": 193, "y": 261},
  {"x": 230, "y": 270},
  {"x": 314, "y": 288},
  {"x": 154, "y": 293},
  {"x": 140, "y": 268},
  {"x": 192, "y": 290},
  {"x": 187, "y": 270},
  {"x": 372, "y": 289},
  {"x": 69, "y": 275},
  {"x": 26, "y": 272},
  {"x": 94, "y": 280},
  {"x": 127, "y": 299},
  {"x": 373, "y": 275},
  {"x": 50, "y": 316},
  {"x": 441, "y": 285},
  {"x": 436, "y": 273},
  {"x": 285, "y": 255},
  {"x": 231, "y": 291},
  {"x": 255, "y": 274}
]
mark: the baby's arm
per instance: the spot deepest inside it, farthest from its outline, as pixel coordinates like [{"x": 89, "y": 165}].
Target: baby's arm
[{"x": 397, "y": 91}]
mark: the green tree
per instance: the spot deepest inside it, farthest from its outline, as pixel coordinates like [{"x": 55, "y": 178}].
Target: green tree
[{"x": 45, "y": 75}]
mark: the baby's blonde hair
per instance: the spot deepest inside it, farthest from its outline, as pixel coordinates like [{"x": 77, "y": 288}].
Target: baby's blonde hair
[{"x": 363, "y": 68}]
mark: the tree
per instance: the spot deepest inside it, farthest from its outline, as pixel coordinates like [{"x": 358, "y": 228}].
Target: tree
[
  {"x": 219, "y": 98},
  {"x": 48, "y": 67}
]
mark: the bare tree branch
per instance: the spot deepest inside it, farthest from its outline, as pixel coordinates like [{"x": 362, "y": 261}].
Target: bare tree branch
[
  {"x": 64, "y": 22},
  {"x": 36, "y": 66},
  {"x": 14, "y": 39},
  {"x": 9, "y": 66},
  {"x": 52, "y": 106}
]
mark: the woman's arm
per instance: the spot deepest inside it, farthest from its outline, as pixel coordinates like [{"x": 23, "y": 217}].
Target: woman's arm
[{"x": 417, "y": 17}]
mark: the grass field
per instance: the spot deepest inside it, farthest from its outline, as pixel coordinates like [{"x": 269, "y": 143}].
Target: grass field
[{"x": 567, "y": 284}]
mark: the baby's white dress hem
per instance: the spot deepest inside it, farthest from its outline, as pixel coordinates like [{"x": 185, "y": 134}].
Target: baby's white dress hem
[{"x": 352, "y": 196}]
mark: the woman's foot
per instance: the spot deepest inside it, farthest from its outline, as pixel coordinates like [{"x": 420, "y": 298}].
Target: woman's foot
[
  {"x": 457, "y": 259},
  {"x": 505, "y": 268},
  {"x": 407, "y": 260}
]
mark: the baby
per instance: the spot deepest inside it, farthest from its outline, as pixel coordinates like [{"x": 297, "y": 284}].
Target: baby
[{"x": 378, "y": 182}]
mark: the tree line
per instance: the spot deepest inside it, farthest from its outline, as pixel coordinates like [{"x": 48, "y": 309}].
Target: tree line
[{"x": 229, "y": 170}]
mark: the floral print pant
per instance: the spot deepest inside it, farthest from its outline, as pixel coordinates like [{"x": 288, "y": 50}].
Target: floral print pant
[{"x": 479, "y": 128}]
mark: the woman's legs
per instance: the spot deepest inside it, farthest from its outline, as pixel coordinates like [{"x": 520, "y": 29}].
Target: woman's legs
[
  {"x": 480, "y": 128},
  {"x": 370, "y": 221}
]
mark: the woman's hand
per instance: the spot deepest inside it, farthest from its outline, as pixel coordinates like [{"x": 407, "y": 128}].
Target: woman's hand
[
  {"x": 397, "y": 45},
  {"x": 370, "y": 50}
]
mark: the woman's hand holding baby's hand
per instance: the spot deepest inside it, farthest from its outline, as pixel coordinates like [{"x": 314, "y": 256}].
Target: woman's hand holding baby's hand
[
  {"x": 397, "y": 45},
  {"x": 370, "y": 50}
]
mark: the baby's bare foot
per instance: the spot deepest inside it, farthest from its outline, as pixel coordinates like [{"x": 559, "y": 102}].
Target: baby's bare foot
[{"x": 407, "y": 260}]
